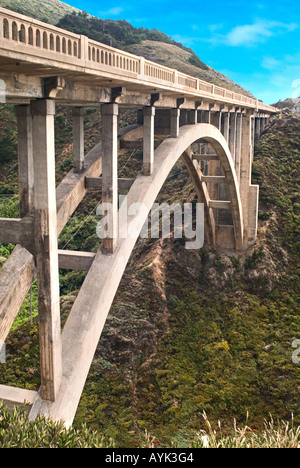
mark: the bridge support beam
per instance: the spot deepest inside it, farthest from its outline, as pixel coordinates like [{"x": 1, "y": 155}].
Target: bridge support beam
[
  {"x": 257, "y": 128},
  {"x": 193, "y": 116},
  {"x": 148, "y": 148},
  {"x": 25, "y": 159},
  {"x": 249, "y": 193},
  {"x": 45, "y": 234},
  {"x": 238, "y": 147},
  {"x": 175, "y": 116},
  {"x": 218, "y": 120},
  {"x": 226, "y": 125},
  {"x": 78, "y": 139},
  {"x": 232, "y": 134},
  {"x": 110, "y": 114}
]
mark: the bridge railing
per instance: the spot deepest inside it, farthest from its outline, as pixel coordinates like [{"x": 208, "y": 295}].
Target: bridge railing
[
  {"x": 31, "y": 37},
  {"x": 38, "y": 37}
]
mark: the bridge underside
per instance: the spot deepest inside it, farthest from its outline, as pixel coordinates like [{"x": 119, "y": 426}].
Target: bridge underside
[
  {"x": 78, "y": 341},
  {"x": 212, "y": 129}
]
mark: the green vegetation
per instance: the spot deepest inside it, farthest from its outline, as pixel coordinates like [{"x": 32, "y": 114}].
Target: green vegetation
[
  {"x": 49, "y": 11},
  {"x": 188, "y": 331},
  {"x": 116, "y": 33},
  {"x": 17, "y": 432}
]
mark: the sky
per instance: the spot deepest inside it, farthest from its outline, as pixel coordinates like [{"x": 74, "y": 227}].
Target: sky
[{"x": 255, "y": 43}]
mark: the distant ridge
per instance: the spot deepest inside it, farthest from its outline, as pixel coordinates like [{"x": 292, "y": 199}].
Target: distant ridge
[{"x": 293, "y": 104}]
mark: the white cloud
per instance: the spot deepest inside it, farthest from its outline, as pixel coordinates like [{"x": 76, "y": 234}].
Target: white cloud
[
  {"x": 270, "y": 63},
  {"x": 252, "y": 34},
  {"x": 249, "y": 35},
  {"x": 115, "y": 11}
]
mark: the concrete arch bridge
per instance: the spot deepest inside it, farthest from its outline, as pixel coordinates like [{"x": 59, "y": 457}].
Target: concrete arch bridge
[{"x": 41, "y": 66}]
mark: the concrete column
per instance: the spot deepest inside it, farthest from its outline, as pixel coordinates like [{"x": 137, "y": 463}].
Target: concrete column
[
  {"x": 45, "y": 234},
  {"x": 184, "y": 117},
  {"x": 245, "y": 180},
  {"x": 218, "y": 120},
  {"x": 226, "y": 119},
  {"x": 206, "y": 117},
  {"x": 232, "y": 134},
  {"x": 110, "y": 114},
  {"x": 175, "y": 116},
  {"x": 78, "y": 138},
  {"x": 257, "y": 128},
  {"x": 140, "y": 117},
  {"x": 262, "y": 124},
  {"x": 238, "y": 148},
  {"x": 253, "y": 135},
  {"x": 193, "y": 117},
  {"x": 148, "y": 144},
  {"x": 25, "y": 159}
]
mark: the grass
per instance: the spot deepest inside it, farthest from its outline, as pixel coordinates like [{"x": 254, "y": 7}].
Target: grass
[
  {"x": 275, "y": 435},
  {"x": 16, "y": 431}
]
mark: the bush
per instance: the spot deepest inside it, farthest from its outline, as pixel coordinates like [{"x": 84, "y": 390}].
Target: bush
[{"x": 16, "y": 431}]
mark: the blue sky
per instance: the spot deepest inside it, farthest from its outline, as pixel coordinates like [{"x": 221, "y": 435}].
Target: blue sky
[{"x": 256, "y": 44}]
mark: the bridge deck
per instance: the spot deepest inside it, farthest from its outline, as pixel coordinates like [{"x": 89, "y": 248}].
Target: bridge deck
[
  {"x": 40, "y": 61},
  {"x": 32, "y": 48}
]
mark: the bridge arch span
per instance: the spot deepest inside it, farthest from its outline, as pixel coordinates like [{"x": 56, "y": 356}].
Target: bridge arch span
[{"x": 87, "y": 318}]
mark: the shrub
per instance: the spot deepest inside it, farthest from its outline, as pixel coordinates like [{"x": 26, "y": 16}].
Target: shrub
[{"x": 16, "y": 431}]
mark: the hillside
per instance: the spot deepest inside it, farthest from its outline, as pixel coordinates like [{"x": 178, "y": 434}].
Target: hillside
[
  {"x": 189, "y": 331},
  {"x": 49, "y": 11},
  {"x": 194, "y": 331},
  {"x": 292, "y": 104}
]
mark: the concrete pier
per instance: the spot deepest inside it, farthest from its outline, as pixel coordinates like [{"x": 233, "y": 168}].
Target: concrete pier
[
  {"x": 110, "y": 114},
  {"x": 78, "y": 139},
  {"x": 45, "y": 234},
  {"x": 148, "y": 144}
]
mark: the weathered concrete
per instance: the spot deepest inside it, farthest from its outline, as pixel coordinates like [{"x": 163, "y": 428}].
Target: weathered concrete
[
  {"x": 17, "y": 231},
  {"x": 148, "y": 148},
  {"x": 175, "y": 116},
  {"x": 96, "y": 183},
  {"x": 45, "y": 234},
  {"x": 238, "y": 146},
  {"x": 25, "y": 159},
  {"x": 78, "y": 139},
  {"x": 14, "y": 397},
  {"x": 16, "y": 277},
  {"x": 110, "y": 114},
  {"x": 73, "y": 260},
  {"x": 249, "y": 202}
]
